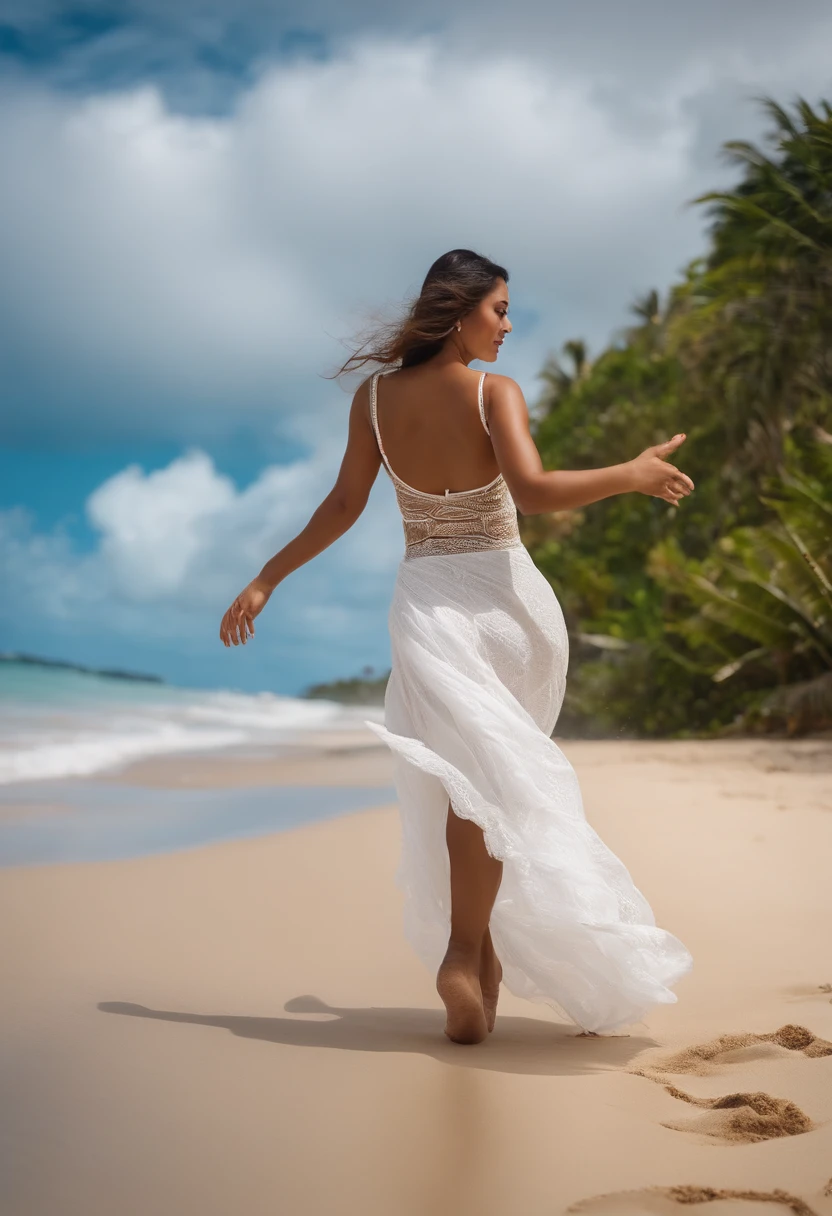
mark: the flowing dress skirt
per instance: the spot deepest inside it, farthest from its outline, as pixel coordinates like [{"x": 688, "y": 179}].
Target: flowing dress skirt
[{"x": 480, "y": 651}]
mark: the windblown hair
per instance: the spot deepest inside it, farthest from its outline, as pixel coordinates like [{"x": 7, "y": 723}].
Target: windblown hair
[{"x": 455, "y": 284}]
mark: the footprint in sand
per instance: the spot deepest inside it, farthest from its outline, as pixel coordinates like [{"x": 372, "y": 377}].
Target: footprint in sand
[
  {"x": 734, "y": 1118},
  {"x": 743, "y": 1118},
  {"x": 667, "y": 1201},
  {"x": 706, "y": 1058},
  {"x": 738, "y": 1118}
]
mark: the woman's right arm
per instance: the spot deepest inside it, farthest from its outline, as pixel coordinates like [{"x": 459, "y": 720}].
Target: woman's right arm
[
  {"x": 336, "y": 515},
  {"x": 535, "y": 490}
]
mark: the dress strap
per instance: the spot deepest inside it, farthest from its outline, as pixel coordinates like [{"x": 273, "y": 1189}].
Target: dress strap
[
  {"x": 374, "y": 419},
  {"x": 482, "y": 407}
]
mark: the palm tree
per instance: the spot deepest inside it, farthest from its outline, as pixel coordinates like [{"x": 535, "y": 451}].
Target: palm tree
[
  {"x": 757, "y": 317},
  {"x": 648, "y": 334},
  {"x": 724, "y": 604},
  {"x": 559, "y": 379},
  {"x": 647, "y": 309}
]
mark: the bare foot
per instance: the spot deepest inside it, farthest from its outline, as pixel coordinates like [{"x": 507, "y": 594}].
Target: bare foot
[
  {"x": 459, "y": 987},
  {"x": 491, "y": 973}
]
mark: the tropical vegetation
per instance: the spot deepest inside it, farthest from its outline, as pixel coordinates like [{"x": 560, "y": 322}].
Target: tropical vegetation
[
  {"x": 715, "y": 615},
  {"x": 365, "y": 689}
]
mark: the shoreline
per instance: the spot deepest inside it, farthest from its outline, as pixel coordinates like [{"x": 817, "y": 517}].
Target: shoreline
[
  {"x": 178, "y": 802},
  {"x": 191, "y": 799}
]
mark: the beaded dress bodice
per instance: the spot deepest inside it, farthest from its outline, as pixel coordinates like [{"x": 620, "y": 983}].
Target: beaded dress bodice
[{"x": 461, "y": 521}]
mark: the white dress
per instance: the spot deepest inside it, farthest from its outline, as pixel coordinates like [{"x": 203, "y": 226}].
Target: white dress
[{"x": 479, "y": 658}]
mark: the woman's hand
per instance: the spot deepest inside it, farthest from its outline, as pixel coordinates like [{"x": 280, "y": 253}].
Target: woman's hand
[
  {"x": 238, "y": 623},
  {"x": 653, "y": 475}
]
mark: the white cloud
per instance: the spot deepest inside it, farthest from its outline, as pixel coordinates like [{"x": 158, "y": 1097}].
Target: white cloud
[
  {"x": 41, "y": 576},
  {"x": 176, "y": 545},
  {"x": 187, "y": 274},
  {"x": 185, "y": 529},
  {"x": 154, "y": 526}
]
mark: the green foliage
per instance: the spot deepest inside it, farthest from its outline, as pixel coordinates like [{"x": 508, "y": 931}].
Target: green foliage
[
  {"x": 764, "y": 599},
  {"x": 366, "y": 689},
  {"x": 719, "y": 608}
]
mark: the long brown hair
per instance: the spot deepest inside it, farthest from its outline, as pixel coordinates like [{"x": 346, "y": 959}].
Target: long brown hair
[{"x": 455, "y": 284}]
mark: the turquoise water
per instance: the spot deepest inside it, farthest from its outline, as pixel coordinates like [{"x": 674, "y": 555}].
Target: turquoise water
[
  {"x": 58, "y": 727},
  {"x": 56, "y": 723}
]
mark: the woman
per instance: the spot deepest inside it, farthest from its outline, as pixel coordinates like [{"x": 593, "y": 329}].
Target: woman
[{"x": 503, "y": 877}]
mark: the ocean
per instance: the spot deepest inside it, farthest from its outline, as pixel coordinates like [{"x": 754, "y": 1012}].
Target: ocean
[
  {"x": 63, "y": 731},
  {"x": 57, "y": 722}
]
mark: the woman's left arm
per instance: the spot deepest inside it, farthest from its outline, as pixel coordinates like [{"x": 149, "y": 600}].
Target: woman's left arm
[{"x": 335, "y": 516}]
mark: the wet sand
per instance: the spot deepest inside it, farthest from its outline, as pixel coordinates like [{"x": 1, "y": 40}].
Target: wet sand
[{"x": 240, "y": 1028}]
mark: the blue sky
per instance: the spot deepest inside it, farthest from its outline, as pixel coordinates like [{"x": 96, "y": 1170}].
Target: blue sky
[{"x": 202, "y": 201}]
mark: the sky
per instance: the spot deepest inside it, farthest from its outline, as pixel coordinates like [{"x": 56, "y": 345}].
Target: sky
[{"x": 201, "y": 203}]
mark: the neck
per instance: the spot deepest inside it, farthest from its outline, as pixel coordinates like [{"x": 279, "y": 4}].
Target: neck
[{"x": 452, "y": 353}]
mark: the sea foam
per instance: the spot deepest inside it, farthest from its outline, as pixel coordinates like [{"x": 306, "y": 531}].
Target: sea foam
[{"x": 59, "y": 724}]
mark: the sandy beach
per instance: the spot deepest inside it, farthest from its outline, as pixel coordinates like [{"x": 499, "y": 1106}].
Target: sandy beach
[{"x": 241, "y": 1028}]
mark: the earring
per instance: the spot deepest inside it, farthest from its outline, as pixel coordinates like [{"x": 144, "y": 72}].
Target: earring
[{"x": 459, "y": 325}]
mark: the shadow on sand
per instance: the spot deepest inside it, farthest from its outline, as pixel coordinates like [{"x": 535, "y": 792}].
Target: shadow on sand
[{"x": 518, "y": 1045}]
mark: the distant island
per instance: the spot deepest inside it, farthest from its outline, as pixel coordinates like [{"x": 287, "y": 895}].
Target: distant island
[
  {"x": 112, "y": 673},
  {"x": 366, "y": 689}
]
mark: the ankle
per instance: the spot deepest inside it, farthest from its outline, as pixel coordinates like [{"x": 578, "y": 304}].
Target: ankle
[
  {"x": 464, "y": 951},
  {"x": 490, "y": 968}
]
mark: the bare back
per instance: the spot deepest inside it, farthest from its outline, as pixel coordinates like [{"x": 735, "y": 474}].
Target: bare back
[
  {"x": 431, "y": 429},
  {"x": 442, "y": 523}
]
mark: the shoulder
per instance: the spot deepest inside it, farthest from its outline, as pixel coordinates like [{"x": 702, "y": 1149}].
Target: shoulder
[
  {"x": 360, "y": 409},
  {"x": 365, "y": 389},
  {"x": 502, "y": 391},
  {"x": 366, "y": 384},
  {"x": 502, "y": 385},
  {"x": 505, "y": 406}
]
